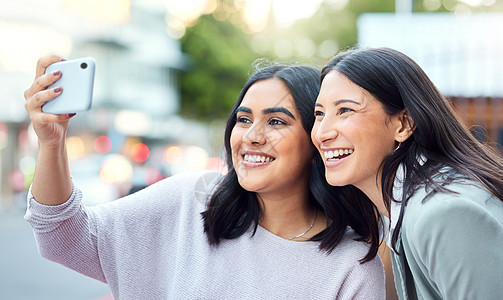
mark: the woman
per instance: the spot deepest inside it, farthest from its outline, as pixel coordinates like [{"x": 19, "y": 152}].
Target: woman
[
  {"x": 383, "y": 127},
  {"x": 262, "y": 233}
]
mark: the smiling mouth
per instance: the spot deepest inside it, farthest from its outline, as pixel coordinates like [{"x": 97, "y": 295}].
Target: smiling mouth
[
  {"x": 257, "y": 158},
  {"x": 337, "y": 154}
]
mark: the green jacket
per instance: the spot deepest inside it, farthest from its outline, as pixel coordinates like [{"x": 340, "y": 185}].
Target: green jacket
[{"x": 451, "y": 245}]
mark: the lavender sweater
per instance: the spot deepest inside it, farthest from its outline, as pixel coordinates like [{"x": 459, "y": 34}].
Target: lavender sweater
[{"x": 151, "y": 245}]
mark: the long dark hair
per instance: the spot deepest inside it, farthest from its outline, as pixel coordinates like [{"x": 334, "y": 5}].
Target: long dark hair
[
  {"x": 232, "y": 210},
  {"x": 439, "y": 136}
]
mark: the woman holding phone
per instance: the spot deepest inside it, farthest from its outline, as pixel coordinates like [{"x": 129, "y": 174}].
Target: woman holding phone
[
  {"x": 384, "y": 128},
  {"x": 259, "y": 231}
]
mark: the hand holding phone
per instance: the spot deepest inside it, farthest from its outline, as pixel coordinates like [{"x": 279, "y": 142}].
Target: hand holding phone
[{"x": 77, "y": 81}]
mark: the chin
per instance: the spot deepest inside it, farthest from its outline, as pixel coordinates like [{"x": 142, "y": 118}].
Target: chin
[
  {"x": 250, "y": 187},
  {"x": 334, "y": 180},
  {"x": 248, "y": 184}
]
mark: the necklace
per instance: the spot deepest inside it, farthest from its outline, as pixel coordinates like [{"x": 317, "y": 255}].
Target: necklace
[{"x": 312, "y": 224}]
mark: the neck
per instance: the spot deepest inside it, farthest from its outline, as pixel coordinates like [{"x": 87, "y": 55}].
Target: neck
[
  {"x": 287, "y": 215},
  {"x": 374, "y": 192},
  {"x": 377, "y": 198}
]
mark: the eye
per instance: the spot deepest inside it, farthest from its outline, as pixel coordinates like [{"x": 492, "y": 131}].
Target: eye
[
  {"x": 318, "y": 114},
  {"x": 243, "y": 120},
  {"x": 344, "y": 110},
  {"x": 275, "y": 121}
]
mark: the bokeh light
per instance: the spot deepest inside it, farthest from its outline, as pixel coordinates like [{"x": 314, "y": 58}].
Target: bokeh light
[
  {"x": 173, "y": 155},
  {"x": 23, "y": 57},
  {"x": 133, "y": 123},
  {"x": 17, "y": 180},
  {"x": 27, "y": 167},
  {"x": 116, "y": 169},
  {"x": 286, "y": 12},
  {"x": 216, "y": 164},
  {"x": 140, "y": 152},
  {"x": 152, "y": 176},
  {"x": 196, "y": 158},
  {"x": 4, "y": 134},
  {"x": 76, "y": 147},
  {"x": 102, "y": 144}
]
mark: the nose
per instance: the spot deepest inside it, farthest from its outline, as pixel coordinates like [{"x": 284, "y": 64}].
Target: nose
[
  {"x": 255, "y": 135},
  {"x": 324, "y": 132}
]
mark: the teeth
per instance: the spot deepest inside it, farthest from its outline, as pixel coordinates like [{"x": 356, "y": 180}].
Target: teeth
[
  {"x": 257, "y": 158},
  {"x": 337, "y": 153}
]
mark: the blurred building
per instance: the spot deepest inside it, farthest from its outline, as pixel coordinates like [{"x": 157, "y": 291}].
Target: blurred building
[
  {"x": 136, "y": 95},
  {"x": 462, "y": 55}
]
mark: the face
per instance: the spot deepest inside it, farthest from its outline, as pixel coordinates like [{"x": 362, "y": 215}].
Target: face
[
  {"x": 352, "y": 132},
  {"x": 271, "y": 151}
]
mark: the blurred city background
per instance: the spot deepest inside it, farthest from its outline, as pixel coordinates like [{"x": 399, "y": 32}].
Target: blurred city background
[{"x": 168, "y": 72}]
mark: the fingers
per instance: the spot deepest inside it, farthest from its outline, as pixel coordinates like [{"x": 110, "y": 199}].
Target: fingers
[
  {"x": 40, "y": 98},
  {"x": 41, "y": 83},
  {"x": 43, "y": 118},
  {"x": 44, "y": 62}
]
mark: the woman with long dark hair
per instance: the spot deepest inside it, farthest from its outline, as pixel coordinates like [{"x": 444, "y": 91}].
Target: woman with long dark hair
[
  {"x": 384, "y": 128},
  {"x": 257, "y": 232}
]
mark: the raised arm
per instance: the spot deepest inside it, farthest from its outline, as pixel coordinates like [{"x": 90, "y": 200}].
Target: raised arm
[{"x": 52, "y": 184}]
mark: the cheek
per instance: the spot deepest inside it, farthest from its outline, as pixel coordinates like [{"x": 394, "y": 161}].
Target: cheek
[
  {"x": 305, "y": 147},
  {"x": 235, "y": 140},
  {"x": 314, "y": 131}
]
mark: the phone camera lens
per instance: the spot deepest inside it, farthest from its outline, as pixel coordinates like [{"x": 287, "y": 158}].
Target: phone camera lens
[{"x": 83, "y": 65}]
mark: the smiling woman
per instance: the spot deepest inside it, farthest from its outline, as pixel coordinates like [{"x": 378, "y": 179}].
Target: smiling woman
[{"x": 439, "y": 189}]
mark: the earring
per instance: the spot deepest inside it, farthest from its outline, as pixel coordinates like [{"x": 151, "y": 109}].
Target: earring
[{"x": 399, "y": 144}]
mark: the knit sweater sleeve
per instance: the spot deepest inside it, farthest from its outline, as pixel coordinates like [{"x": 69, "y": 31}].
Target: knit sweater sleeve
[{"x": 63, "y": 234}]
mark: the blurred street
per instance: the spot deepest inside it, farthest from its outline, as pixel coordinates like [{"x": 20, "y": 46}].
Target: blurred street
[{"x": 24, "y": 274}]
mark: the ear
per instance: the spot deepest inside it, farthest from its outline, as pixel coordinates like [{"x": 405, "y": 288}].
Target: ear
[{"x": 404, "y": 126}]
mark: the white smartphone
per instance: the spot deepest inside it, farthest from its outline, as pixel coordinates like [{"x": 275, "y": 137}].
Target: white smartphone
[{"x": 77, "y": 81}]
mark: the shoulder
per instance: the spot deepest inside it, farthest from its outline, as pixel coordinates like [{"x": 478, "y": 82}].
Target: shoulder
[
  {"x": 351, "y": 248},
  {"x": 350, "y": 243},
  {"x": 466, "y": 209},
  {"x": 194, "y": 183},
  {"x": 460, "y": 195},
  {"x": 362, "y": 280},
  {"x": 191, "y": 189},
  {"x": 187, "y": 191}
]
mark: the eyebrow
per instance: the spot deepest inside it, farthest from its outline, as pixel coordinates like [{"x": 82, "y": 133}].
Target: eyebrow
[
  {"x": 339, "y": 102},
  {"x": 266, "y": 111},
  {"x": 244, "y": 109}
]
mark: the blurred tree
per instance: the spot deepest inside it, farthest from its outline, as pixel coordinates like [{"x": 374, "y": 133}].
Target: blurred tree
[{"x": 220, "y": 57}]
